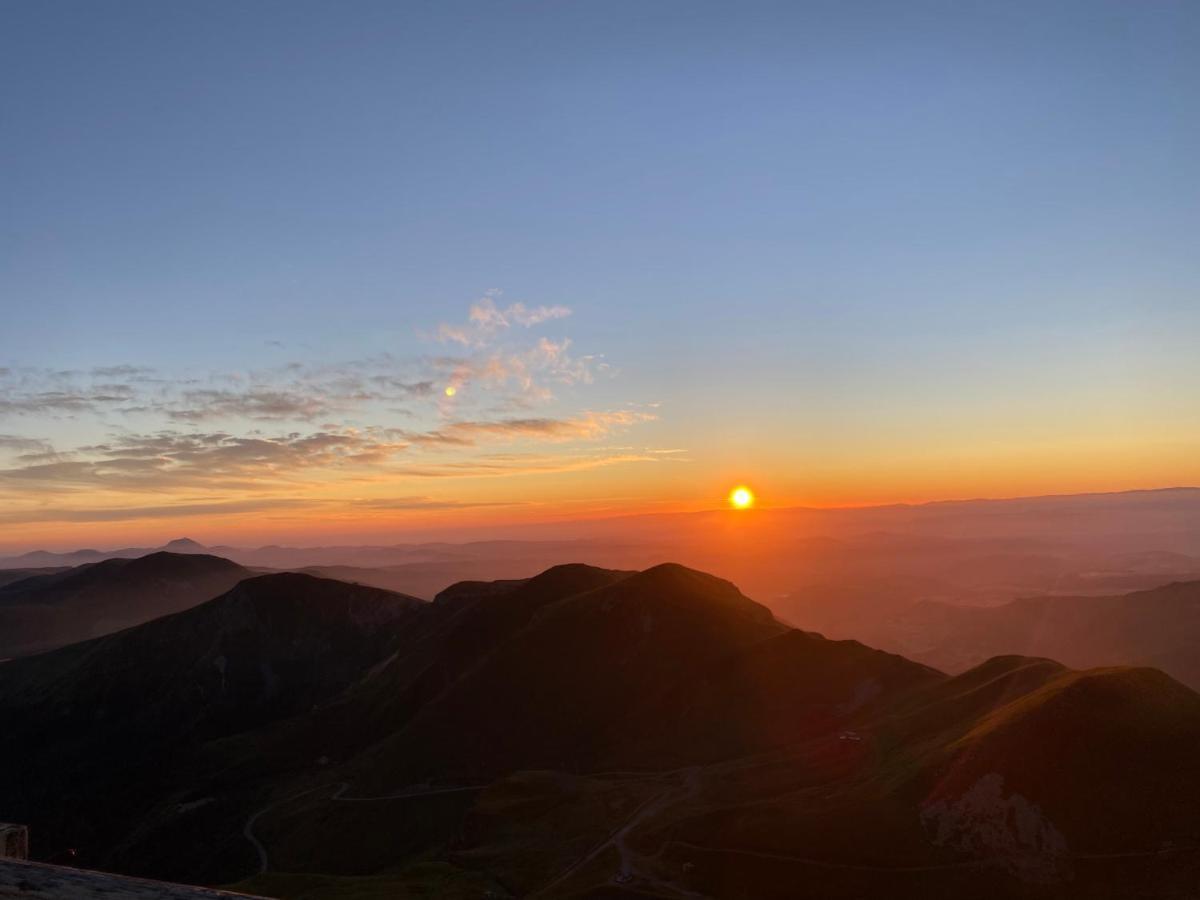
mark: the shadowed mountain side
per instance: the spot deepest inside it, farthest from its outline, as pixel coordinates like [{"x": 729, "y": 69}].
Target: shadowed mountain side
[
  {"x": 52, "y": 609},
  {"x": 458, "y": 635},
  {"x": 587, "y": 660},
  {"x": 10, "y": 576},
  {"x": 997, "y": 783},
  {"x": 106, "y": 714},
  {"x": 784, "y": 689},
  {"x": 1125, "y": 736}
]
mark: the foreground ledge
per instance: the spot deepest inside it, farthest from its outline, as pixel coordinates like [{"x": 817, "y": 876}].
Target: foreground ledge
[{"x": 40, "y": 881}]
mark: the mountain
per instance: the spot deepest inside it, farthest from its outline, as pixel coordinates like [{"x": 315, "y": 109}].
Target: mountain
[
  {"x": 58, "y": 607},
  {"x": 8, "y": 576},
  {"x": 532, "y": 702},
  {"x": 107, "y": 715},
  {"x": 590, "y": 732},
  {"x": 46, "y": 558},
  {"x": 1159, "y": 627},
  {"x": 184, "y": 545}
]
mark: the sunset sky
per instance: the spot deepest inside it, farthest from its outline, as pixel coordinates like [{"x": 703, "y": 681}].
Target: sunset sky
[{"x": 844, "y": 253}]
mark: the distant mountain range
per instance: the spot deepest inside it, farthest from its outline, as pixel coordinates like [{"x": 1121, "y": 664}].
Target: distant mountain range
[
  {"x": 975, "y": 552},
  {"x": 52, "y": 608},
  {"x": 1159, "y": 627},
  {"x": 277, "y": 557},
  {"x": 589, "y": 733}
]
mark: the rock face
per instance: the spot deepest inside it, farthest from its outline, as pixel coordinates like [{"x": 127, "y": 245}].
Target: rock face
[
  {"x": 38, "y": 881},
  {"x": 986, "y": 822}
]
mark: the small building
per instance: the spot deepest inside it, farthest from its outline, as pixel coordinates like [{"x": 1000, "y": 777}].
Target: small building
[{"x": 14, "y": 841}]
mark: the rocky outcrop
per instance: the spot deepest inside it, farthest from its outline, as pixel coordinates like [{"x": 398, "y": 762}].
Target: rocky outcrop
[{"x": 985, "y": 822}]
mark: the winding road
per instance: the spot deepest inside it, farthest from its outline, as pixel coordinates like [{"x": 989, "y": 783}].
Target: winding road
[
  {"x": 340, "y": 788},
  {"x": 629, "y": 870}
]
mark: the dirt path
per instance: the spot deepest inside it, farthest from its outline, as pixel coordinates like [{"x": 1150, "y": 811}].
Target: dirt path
[
  {"x": 630, "y": 868},
  {"x": 340, "y": 788},
  {"x": 264, "y": 861}
]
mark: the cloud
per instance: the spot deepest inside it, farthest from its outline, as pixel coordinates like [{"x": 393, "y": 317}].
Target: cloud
[
  {"x": 529, "y": 372},
  {"x": 123, "y": 513},
  {"x": 240, "y": 507},
  {"x": 295, "y": 392},
  {"x": 213, "y": 460},
  {"x": 257, "y": 405},
  {"x": 24, "y": 444},
  {"x": 485, "y": 320},
  {"x": 508, "y": 465},
  {"x": 218, "y": 460},
  {"x": 400, "y": 503},
  {"x": 514, "y": 371},
  {"x": 122, "y": 371},
  {"x": 50, "y": 402},
  {"x": 588, "y": 426}
]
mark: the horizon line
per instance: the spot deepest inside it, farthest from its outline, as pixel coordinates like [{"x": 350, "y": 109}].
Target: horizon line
[{"x": 762, "y": 508}]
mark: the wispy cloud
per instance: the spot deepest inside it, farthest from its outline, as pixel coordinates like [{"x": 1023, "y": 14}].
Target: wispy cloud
[
  {"x": 507, "y": 465},
  {"x": 402, "y": 503},
  {"x": 215, "y": 460},
  {"x": 588, "y": 426},
  {"x": 239, "y": 507},
  {"x": 128, "y": 513},
  {"x": 175, "y": 460},
  {"x": 24, "y": 445},
  {"x": 257, "y": 405},
  {"x": 486, "y": 320}
]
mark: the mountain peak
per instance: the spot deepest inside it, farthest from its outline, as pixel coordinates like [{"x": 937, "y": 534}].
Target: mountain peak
[{"x": 184, "y": 545}]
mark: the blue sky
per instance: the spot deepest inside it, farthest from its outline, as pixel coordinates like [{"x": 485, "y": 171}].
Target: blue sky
[{"x": 826, "y": 224}]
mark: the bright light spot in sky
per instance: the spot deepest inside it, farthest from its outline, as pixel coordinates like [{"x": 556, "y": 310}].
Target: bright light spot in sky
[
  {"x": 451, "y": 390},
  {"x": 741, "y": 498}
]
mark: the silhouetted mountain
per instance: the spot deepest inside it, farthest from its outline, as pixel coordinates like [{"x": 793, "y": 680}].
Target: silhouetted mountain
[
  {"x": 54, "y": 608},
  {"x": 107, "y": 713},
  {"x": 8, "y": 576},
  {"x": 590, "y": 732},
  {"x": 46, "y": 558},
  {"x": 596, "y": 649},
  {"x": 184, "y": 545}
]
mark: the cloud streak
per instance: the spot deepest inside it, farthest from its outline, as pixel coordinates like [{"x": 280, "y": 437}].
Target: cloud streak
[
  {"x": 486, "y": 321},
  {"x": 217, "y": 460}
]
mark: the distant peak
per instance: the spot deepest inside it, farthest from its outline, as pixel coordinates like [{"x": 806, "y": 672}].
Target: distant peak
[{"x": 184, "y": 545}]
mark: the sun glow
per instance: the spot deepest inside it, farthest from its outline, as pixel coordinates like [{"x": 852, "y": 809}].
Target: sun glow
[
  {"x": 741, "y": 498},
  {"x": 451, "y": 390}
]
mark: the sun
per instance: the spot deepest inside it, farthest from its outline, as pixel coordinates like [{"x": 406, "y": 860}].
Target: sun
[
  {"x": 451, "y": 390},
  {"x": 741, "y": 498}
]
